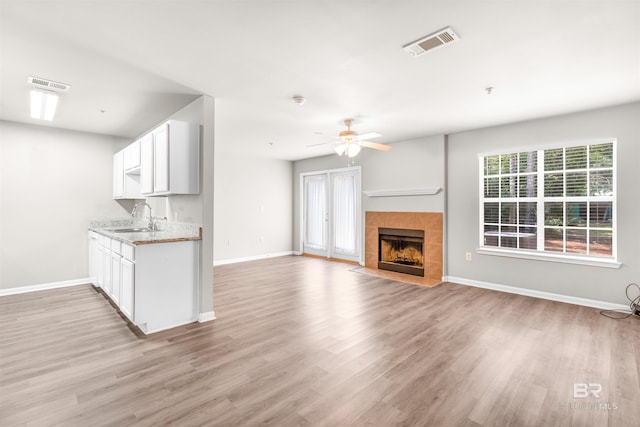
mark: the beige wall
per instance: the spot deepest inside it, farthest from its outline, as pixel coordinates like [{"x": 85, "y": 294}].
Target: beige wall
[
  {"x": 253, "y": 206},
  {"x": 596, "y": 283},
  {"x": 52, "y": 183}
]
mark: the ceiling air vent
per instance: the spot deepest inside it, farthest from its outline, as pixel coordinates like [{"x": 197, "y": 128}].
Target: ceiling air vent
[
  {"x": 432, "y": 41},
  {"x": 48, "y": 84}
]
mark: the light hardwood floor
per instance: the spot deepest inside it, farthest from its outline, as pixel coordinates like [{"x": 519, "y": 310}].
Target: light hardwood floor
[{"x": 303, "y": 341}]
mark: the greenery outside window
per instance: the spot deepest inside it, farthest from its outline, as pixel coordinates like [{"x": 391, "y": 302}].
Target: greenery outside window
[{"x": 557, "y": 201}]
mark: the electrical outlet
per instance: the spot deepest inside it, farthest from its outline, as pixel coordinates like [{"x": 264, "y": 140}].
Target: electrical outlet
[
  {"x": 261, "y": 239},
  {"x": 467, "y": 256},
  {"x": 228, "y": 242}
]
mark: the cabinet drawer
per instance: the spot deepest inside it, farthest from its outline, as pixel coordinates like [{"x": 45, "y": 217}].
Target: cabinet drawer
[
  {"x": 93, "y": 235},
  {"x": 116, "y": 246},
  {"x": 128, "y": 252}
]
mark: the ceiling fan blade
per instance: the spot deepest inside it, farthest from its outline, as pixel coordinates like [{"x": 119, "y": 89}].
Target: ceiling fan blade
[
  {"x": 325, "y": 134},
  {"x": 321, "y": 143},
  {"x": 370, "y": 135},
  {"x": 375, "y": 145}
]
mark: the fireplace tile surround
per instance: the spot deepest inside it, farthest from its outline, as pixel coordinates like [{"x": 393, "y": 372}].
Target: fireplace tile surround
[{"x": 430, "y": 222}]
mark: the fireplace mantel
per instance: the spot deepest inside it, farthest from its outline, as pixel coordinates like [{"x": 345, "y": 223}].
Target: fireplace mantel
[{"x": 396, "y": 193}]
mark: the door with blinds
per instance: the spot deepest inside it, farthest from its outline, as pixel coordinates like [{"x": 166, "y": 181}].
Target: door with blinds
[{"x": 331, "y": 214}]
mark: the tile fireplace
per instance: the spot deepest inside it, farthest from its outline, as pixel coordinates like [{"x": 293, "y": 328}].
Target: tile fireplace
[{"x": 427, "y": 226}]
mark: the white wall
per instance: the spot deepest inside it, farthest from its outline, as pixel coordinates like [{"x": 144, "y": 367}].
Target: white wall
[
  {"x": 418, "y": 163},
  {"x": 252, "y": 206},
  {"x": 598, "y": 283},
  {"x": 52, "y": 184}
]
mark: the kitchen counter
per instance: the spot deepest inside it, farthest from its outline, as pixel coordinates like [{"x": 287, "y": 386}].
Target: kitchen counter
[
  {"x": 154, "y": 286},
  {"x": 167, "y": 233}
]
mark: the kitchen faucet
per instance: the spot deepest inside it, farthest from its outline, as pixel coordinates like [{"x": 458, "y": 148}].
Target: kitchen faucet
[{"x": 151, "y": 225}]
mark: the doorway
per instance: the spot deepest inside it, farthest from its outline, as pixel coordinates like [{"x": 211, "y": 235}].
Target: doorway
[{"x": 331, "y": 212}]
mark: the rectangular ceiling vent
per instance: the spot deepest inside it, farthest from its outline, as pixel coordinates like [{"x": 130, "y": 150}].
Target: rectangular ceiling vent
[
  {"x": 432, "y": 41},
  {"x": 48, "y": 84}
]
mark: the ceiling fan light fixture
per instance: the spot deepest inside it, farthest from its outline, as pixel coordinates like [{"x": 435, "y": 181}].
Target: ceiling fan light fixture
[
  {"x": 353, "y": 150},
  {"x": 340, "y": 149}
]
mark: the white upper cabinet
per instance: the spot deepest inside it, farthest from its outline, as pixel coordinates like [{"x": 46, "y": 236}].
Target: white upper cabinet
[
  {"x": 161, "y": 159},
  {"x": 126, "y": 177},
  {"x": 132, "y": 157},
  {"x": 163, "y": 162},
  {"x": 118, "y": 175},
  {"x": 171, "y": 160},
  {"x": 146, "y": 165}
]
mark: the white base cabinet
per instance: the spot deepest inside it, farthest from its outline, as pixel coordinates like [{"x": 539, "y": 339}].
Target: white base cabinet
[
  {"x": 165, "y": 285},
  {"x": 154, "y": 285},
  {"x": 127, "y": 288},
  {"x": 116, "y": 276}
]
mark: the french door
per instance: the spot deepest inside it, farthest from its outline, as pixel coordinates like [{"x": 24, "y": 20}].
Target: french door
[{"x": 331, "y": 214}]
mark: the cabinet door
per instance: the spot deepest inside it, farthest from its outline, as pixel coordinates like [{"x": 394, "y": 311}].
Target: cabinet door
[
  {"x": 118, "y": 175},
  {"x": 146, "y": 164},
  {"x": 115, "y": 277},
  {"x": 93, "y": 260},
  {"x": 106, "y": 268},
  {"x": 132, "y": 156},
  {"x": 161, "y": 159},
  {"x": 99, "y": 265},
  {"x": 127, "y": 288}
]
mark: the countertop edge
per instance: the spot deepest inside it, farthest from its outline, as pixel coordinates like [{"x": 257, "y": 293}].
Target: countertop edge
[
  {"x": 169, "y": 240},
  {"x": 122, "y": 238}
]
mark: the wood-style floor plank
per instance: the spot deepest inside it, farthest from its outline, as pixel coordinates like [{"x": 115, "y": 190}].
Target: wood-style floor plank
[{"x": 304, "y": 342}]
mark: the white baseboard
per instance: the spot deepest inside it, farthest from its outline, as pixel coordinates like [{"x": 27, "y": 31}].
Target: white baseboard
[
  {"x": 297, "y": 253},
  {"x": 538, "y": 294},
  {"x": 206, "y": 317},
  {"x": 251, "y": 258},
  {"x": 45, "y": 286}
]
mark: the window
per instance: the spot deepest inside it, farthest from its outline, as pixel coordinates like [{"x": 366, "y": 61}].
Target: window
[{"x": 557, "y": 201}]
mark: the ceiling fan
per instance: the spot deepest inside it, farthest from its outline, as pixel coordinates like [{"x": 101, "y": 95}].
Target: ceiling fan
[{"x": 350, "y": 143}]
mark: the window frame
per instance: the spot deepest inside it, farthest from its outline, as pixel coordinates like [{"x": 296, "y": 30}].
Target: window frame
[{"x": 540, "y": 253}]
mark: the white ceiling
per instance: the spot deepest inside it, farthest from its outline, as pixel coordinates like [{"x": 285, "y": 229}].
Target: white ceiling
[{"x": 142, "y": 60}]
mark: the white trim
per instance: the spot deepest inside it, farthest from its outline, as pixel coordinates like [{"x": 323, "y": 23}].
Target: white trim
[
  {"x": 538, "y": 294},
  {"x": 328, "y": 252},
  {"x": 550, "y": 146},
  {"x": 251, "y": 258},
  {"x": 394, "y": 193},
  {"x": 206, "y": 317},
  {"x": 546, "y": 256},
  {"x": 45, "y": 286},
  {"x": 541, "y": 199},
  {"x": 338, "y": 170}
]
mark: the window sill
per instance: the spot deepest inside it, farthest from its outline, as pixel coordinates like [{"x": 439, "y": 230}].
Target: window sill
[{"x": 566, "y": 259}]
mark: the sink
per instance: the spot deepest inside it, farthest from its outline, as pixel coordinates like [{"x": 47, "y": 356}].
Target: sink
[{"x": 132, "y": 230}]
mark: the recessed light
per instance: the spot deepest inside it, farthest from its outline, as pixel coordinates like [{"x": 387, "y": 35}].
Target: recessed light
[
  {"x": 43, "y": 105},
  {"x": 44, "y": 98}
]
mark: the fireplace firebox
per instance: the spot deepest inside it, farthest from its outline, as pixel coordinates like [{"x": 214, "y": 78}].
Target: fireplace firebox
[{"x": 401, "y": 250}]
